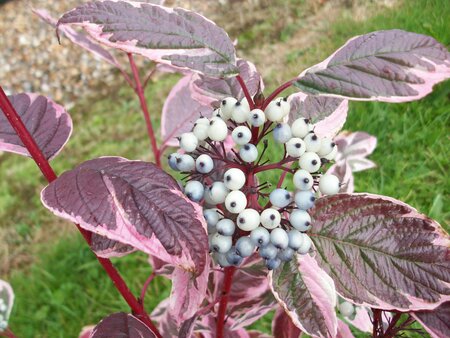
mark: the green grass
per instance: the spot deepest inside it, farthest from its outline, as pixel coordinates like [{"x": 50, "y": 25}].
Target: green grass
[{"x": 65, "y": 289}]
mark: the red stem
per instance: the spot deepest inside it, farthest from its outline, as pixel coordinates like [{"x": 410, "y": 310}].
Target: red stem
[
  {"x": 276, "y": 92},
  {"x": 8, "y": 334},
  {"x": 139, "y": 89},
  {"x": 37, "y": 155},
  {"x": 227, "y": 282},
  {"x": 246, "y": 92}
]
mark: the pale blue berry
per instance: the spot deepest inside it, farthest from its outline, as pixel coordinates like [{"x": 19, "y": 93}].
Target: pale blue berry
[
  {"x": 300, "y": 220},
  {"x": 303, "y": 180},
  {"x": 280, "y": 198},
  {"x": 248, "y": 153},
  {"x": 260, "y": 236},
  {"x": 244, "y": 246},
  {"x": 279, "y": 238},
  {"x": 225, "y": 227},
  {"x": 305, "y": 199},
  {"x": 273, "y": 263},
  {"x": 185, "y": 163},
  {"x": 296, "y": 239},
  {"x": 282, "y": 133},
  {"x": 220, "y": 243},
  {"x": 194, "y": 190},
  {"x": 286, "y": 254},
  {"x": 204, "y": 164},
  {"x": 172, "y": 160},
  {"x": 268, "y": 252},
  {"x": 233, "y": 257},
  {"x": 218, "y": 192},
  {"x": 241, "y": 135}
]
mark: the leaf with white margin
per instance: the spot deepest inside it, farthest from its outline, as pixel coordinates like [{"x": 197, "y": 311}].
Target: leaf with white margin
[
  {"x": 48, "y": 123},
  {"x": 167, "y": 325},
  {"x": 354, "y": 148},
  {"x": 121, "y": 325},
  {"x": 135, "y": 203},
  {"x": 328, "y": 114},
  {"x": 86, "y": 331},
  {"x": 188, "y": 293},
  {"x": 80, "y": 39},
  {"x": 6, "y": 303},
  {"x": 307, "y": 295},
  {"x": 389, "y": 66},
  {"x": 381, "y": 252},
  {"x": 175, "y": 36},
  {"x": 246, "y": 313},
  {"x": 207, "y": 90},
  {"x": 343, "y": 171},
  {"x": 343, "y": 330},
  {"x": 435, "y": 321},
  {"x": 282, "y": 326},
  {"x": 180, "y": 111},
  {"x": 107, "y": 248},
  {"x": 361, "y": 319}
]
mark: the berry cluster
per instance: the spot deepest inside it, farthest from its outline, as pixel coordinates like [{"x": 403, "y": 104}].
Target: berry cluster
[{"x": 224, "y": 181}]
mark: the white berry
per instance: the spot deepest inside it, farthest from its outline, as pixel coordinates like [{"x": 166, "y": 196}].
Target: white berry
[
  {"x": 346, "y": 309},
  {"x": 241, "y": 135},
  {"x": 235, "y": 202},
  {"x": 244, "y": 246},
  {"x": 326, "y": 147},
  {"x": 295, "y": 147},
  {"x": 248, "y": 153},
  {"x": 194, "y": 190},
  {"x": 217, "y": 130},
  {"x": 304, "y": 199},
  {"x": 220, "y": 243},
  {"x": 225, "y": 227},
  {"x": 300, "y": 128},
  {"x": 303, "y": 180},
  {"x": 270, "y": 218},
  {"x": 218, "y": 192},
  {"x": 279, "y": 238},
  {"x": 282, "y": 133},
  {"x": 329, "y": 184},
  {"x": 185, "y": 162},
  {"x": 188, "y": 142},
  {"x": 240, "y": 112},
  {"x": 204, "y": 164},
  {"x": 260, "y": 236},
  {"x": 226, "y": 107},
  {"x": 201, "y": 131},
  {"x": 248, "y": 220},
  {"x": 310, "y": 162},
  {"x": 280, "y": 198},
  {"x": 300, "y": 220},
  {"x": 306, "y": 245},
  {"x": 256, "y": 118},
  {"x": 234, "y": 179},
  {"x": 312, "y": 142},
  {"x": 274, "y": 112}
]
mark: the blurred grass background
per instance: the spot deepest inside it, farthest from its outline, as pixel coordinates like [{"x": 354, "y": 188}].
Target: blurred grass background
[{"x": 59, "y": 285}]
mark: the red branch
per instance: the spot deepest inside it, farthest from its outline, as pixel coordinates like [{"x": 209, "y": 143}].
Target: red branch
[
  {"x": 37, "y": 155},
  {"x": 276, "y": 92},
  {"x": 139, "y": 89},
  {"x": 227, "y": 282},
  {"x": 246, "y": 92}
]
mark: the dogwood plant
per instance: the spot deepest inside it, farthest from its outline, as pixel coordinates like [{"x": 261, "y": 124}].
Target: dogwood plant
[{"x": 234, "y": 246}]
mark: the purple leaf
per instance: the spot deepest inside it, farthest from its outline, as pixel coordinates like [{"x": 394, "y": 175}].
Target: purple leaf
[
  {"x": 207, "y": 90},
  {"x": 381, "y": 252},
  {"x": 307, "y": 294},
  {"x": 7, "y": 299},
  {"x": 160, "y": 267},
  {"x": 207, "y": 327},
  {"x": 343, "y": 330},
  {"x": 282, "y": 326},
  {"x": 187, "y": 328},
  {"x": 49, "y": 124},
  {"x": 175, "y": 36},
  {"x": 327, "y": 113},
  {"x": 121, "y": 325},
  {"x": 135, "y": 203},
  {"x": 389, "y": 66},
  {"x": 188, "y": 293},
  {"x": 86, "y": 331},
  {"x": 435, "y": 321},
  {"x": 355, "y": 147},
  {"x": 167, "y": 325},
  {"x": 79, "y": 39},
  {"x": 344, "y": 172},
  {"x": 246, "y": 313},
  {"x": 105, "y": 247},
  {"x": 180, "y": 111}
]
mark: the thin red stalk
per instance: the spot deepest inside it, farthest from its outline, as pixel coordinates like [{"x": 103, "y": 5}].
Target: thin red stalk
[
  {"x": 140, "y": 93},
  {"x": 246, "y": 92},
  {"x": 274, "y": 165},
  {"x": 391, "y": 330},
  {"x": 126, "y": 77},
  {"x": 227, "y": 282},
  {"x": 37, "y": 155},
  {"x": 145, "y": 287},
  {"x": 148, "y": 77},
  {"x": 283, "y": 176},
  {"x": 276, "y": 92}
]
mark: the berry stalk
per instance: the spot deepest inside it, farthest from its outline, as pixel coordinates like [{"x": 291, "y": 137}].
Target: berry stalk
[
  {"x": 48, "y": 172},
  {"x": 227, "y": 282},
  {"x": 139, "y": 89}
]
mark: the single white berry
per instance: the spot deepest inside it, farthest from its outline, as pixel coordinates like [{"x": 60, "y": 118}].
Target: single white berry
[
  {"x": 312, "y": 142},
  {"x": 282, "y": 133},
  {"x": 248, "y": 153},
  {"x": 188, "y": 142},
  {"x": 220, "y": 243},
  {"x": 286, "y": 254},
  {"x": 304, "y": 199},
  {"x": 212, "y": 216},
  {"x": 202, "y": 120},
  {"x": 300, "y": 220},
  {"x": 285, "y": 105},
  {"x": 241, "y": 135},
  {"x": 226, "y": 107},
  {"x": 217, "y": 130},
  {"x": 240, "y": 112},
  {"x": 274, "y": 112},
  {"x": 172, "y": 159},
  {"x": 218, "y": 191},
  {"x": 244, "y": 246},
  {"x": 295, "y": 147},
  {"x": 331, "y": 156},
  {"x": 295, "y": 239},
  {"x": 225, "y": 227},
  {"x": 204, "y": 164},
  {"x": 303, "y": 180},
  {"x": 310, "y": 162},
  {"x": 268, "y": 251},
  {"x": 300, "y": 127},
  {"x": 260, "y": 236},
  {"x": 235, "y": 202},
  {"x": 280, "y": 198},
  {"x": 270, "y": 218},
  {"x": 329, "y": 184},
  {"x": 234, "y": 179},
  {"x": 346, "y": 309},
  {"x": 256, "y": 118},
  {"x": 194, "y": 190},
  {"x": 248, "y": 220},
  {"x": 185, "y": 163},
  {"x": 326, "y": 147},
  {"x": 279, "y": 238},
  {"x": 306, "y": 245},
  {"x": 201, "y": 131}
]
